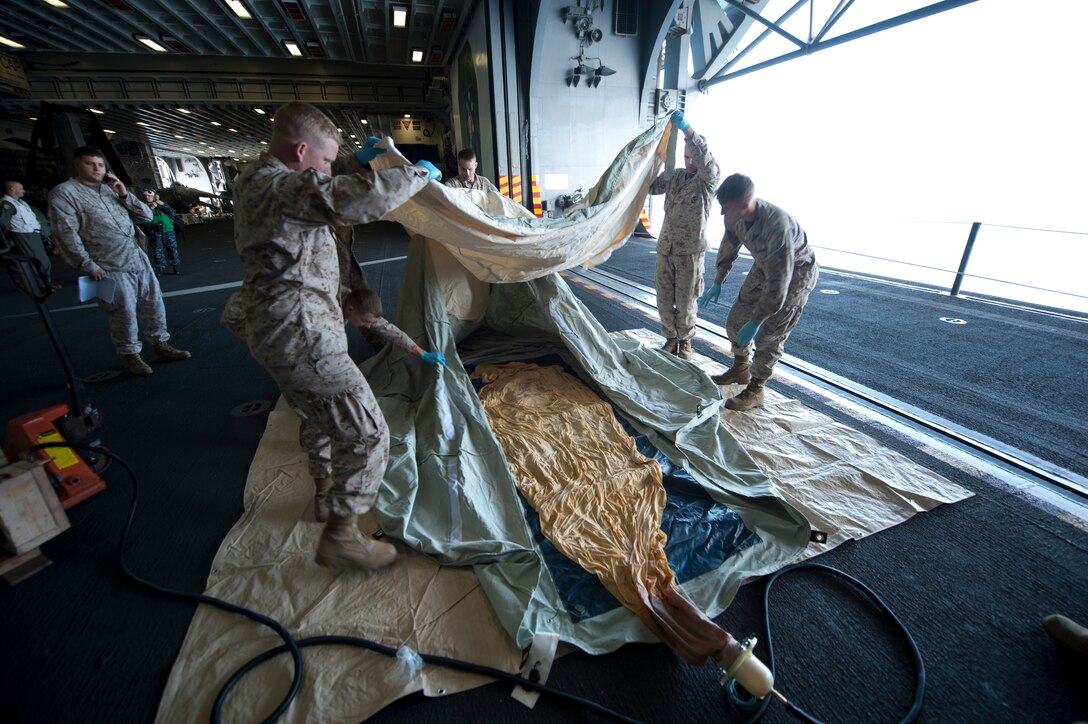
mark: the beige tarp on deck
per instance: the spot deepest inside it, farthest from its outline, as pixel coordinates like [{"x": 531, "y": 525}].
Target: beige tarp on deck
[{"x": 448, "y": 494}]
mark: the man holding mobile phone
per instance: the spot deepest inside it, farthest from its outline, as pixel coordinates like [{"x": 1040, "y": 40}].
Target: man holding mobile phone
[{"x": 92, "y": 217}]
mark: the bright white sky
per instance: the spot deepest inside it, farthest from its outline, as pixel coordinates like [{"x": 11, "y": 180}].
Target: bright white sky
[{"x": 974, "y": 114}]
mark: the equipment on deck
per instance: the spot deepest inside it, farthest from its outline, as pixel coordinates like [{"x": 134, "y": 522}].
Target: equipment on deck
[{"x": 74, "y": 475}]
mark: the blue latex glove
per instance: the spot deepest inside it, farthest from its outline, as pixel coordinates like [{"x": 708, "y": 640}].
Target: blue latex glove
[
  {"x": 747, "y": 333},
  {"x": 434, "y": 358},
  {"x": 680, "y": 122},
  {"x": 367, "y": 153},
  {"x": 710, "y": 295},
  {"x": 432, "y": 171}
]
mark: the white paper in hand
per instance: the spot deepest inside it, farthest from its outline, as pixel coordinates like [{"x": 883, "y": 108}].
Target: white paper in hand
[{"x": 104, "y": 289}]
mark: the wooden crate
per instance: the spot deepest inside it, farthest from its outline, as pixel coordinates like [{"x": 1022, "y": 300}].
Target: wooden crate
[{"x": 30, "y": 512}]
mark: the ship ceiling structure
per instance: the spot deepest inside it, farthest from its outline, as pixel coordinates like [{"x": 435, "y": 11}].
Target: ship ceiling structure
[{"x": 354, "y": 61}]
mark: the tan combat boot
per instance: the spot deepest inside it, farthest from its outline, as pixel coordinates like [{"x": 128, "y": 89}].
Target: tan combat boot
[
  {"x": 322, "y": 505},
  {"x": 670, "y": 346},
  {"x": 683, "y": 349},
  {"x": 1067, "y": 632},
  {"x": 749, "y": 398},
  {"x": 136, "y": 365},
  {"x": 166, "y": 353},
  {"x": 737, "y": 374},
  {"x": 343, "y": 548}
]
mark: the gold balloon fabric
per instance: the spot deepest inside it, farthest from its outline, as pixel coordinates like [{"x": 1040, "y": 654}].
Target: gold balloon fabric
[{"x": 600, "y": 501}]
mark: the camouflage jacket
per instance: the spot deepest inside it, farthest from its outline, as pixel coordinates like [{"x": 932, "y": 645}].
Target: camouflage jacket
[
  {"x": 393, "y": 334},
  {"x": 93, "y": 227},
  {"x": 779, "y": 249},
  {"x": 478, "y": 184},
  {"x": 283, "y": 231},
  {"x": 688, "y": 198}
]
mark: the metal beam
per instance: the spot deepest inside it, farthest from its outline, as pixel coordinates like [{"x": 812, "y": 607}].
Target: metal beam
[{"x": 815, "y": 47}]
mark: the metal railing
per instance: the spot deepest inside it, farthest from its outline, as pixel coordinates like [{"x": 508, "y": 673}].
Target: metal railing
[{"x": 961, "y": 274}]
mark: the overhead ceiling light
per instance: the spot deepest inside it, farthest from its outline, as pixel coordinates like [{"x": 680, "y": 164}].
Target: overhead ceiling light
[
  {"x": 400, "y": 16},
  {"x": 363, "y": 121},
  {"x": 176, "y": 136},
  {"x": 151, "y": 43},
  {"x": 96, "y": 110},
  {"x": 141, "y": 123},
  {"x": 417, "y": 55},
  {"x": 352, "y": 135},
  {"x": 238, "y": 8},
  {"x": 233, "y": 130},
  {"x": 264, "y": 143},
  {"x": 407, "y": 115},
  {"x": 10, "y": 43},
  {"x": 339, "y": 130},
  {"x": 215, "y": 123},
  {"x": 292, "y": 48},
  {"x": 186, "y": 111},
  {"x": 57, "y": 3},
  {"x": 259, "y": 110}
]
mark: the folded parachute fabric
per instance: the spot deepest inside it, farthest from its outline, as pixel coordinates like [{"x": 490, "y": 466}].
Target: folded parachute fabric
[
  {"x": 600, "y": 501},
  {"x": 499, "y": 240},
  {"x": 481, "y": 286}
]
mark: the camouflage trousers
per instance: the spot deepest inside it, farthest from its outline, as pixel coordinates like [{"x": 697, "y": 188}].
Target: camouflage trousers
[
  {"x": 137, "y": 303},
  {"x": 165, "y": 246},
  {"x": 342, "y": 429},
  {"x": 678, "y": 280},
  {"x": 771, "y": 338}
]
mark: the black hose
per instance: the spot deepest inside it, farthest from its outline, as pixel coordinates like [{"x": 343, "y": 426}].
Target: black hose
[
  {"x": 293, "y": 646},
  {"x": 796, "y": 711}
]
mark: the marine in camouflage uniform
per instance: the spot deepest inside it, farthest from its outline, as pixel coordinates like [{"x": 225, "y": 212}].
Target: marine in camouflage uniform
[
  {"x": 468, "y": 178},
  {"x": 289, "y": 312},
  {"x": 678, "y": 279},
  {"x": 478, "y": 183},
  {"x": 93, "y": 228},
  {"x": 783, "y": 274}
]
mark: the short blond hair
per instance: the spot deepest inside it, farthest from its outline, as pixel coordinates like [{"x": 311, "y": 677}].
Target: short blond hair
[{"x": 302, "y": 122}]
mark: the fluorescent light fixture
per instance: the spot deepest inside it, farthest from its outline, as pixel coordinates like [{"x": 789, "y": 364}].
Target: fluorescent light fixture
[
  {"x": 339, "y": 130},
  {"x": 238, "y": 8},
  {"x": 151, "y": 43},
  {"x": 400, "y": 16},
  {"x": 417, "y": 55},
  {"x": 176, "y": 136},
  {"x": 10, "y": 43},
  {"x": 96, "y": 110},
  {"x": 259, "y": 110},
  {"x": 407, "y": 115},
  {"x": 363, "y": 121},
  {"x": 106, "y": 130},
  {"x": 57, "y": 3},
  {"x": 233, "y": 130},
  {"x": 186, "y": 111},
  {"x": 264, "y": 143},
  {"x": 292, "y": 48},
  {"x": 215, "y": 123},
  {"x": 141, "y": 123}
]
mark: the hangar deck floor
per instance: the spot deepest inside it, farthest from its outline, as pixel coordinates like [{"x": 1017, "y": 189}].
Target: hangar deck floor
[{"x": 972, "y": 580}]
